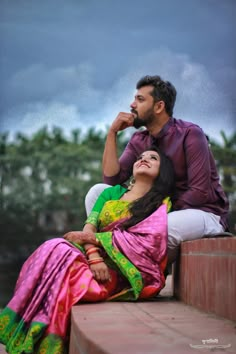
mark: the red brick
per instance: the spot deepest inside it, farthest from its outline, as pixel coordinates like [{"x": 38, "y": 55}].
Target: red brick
[{"x": 207, "y": 275}]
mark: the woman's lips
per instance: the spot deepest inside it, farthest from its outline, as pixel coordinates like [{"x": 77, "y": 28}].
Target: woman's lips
[{"x": 143, "y": 164}]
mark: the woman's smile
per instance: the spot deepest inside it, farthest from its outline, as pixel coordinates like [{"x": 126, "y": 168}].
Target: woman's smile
[{"x": 143, "y": 164}]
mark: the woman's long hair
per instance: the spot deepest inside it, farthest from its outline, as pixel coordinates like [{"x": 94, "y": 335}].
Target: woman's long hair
[{"x": 163, "y": 186}]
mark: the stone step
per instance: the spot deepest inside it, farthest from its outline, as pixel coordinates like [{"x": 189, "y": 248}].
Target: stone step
[{"x": 162, "y": 326}]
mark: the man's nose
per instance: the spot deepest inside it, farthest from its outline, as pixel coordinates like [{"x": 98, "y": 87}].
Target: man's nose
[{"x": 133, "y": 104}]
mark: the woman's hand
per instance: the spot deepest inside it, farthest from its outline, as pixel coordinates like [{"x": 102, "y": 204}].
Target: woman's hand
[
  {"x": 81, "y": 237},
  {"x": 100, "y": 271}
]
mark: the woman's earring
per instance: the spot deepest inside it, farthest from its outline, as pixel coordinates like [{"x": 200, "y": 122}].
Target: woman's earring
[{"x": 131, "y": 184}]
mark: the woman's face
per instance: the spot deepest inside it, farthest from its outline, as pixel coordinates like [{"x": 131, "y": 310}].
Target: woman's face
[{"x": 148, "y": 164}]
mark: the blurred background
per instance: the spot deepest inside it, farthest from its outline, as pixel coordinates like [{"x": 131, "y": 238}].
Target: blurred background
[
  {"x": 43, "y": 183},
  {"x": 67, "y": 68}
]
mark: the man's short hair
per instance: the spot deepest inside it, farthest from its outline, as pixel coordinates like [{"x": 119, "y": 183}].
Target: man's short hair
[{"x": 162, "y": 91}]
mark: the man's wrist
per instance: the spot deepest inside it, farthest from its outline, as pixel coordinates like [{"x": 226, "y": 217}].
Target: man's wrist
[{"x": 112, "y": 132}]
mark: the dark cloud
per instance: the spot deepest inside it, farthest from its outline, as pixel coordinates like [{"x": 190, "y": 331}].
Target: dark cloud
[{"x": 73, "y": 60}]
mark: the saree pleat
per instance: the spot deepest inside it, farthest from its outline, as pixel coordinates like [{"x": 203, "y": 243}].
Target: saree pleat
[
  {"x": 57, "y": 276},
  {"x": 41, "y": 304}
]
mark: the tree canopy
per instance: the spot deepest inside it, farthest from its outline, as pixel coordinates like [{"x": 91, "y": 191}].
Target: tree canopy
[
  {"x": 47, "y": 174},
  {"x": 44, "y": 180}
]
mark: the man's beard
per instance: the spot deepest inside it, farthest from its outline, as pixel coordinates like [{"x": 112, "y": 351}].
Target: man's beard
[{"x": 140, "y": 122}]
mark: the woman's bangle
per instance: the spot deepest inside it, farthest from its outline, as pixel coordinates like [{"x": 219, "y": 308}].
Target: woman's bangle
[
  {"x": 92, "y": 250},
  {"x": 95, "y": 260}
]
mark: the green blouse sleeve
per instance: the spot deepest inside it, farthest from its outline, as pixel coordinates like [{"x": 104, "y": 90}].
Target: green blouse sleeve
[{"x": 110, "y": 193}]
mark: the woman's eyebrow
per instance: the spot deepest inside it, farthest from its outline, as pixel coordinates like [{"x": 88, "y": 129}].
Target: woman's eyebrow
[{"x": 152, "y": 155}]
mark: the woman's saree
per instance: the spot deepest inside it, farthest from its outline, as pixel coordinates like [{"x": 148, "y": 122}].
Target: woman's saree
[{"x": 57, "y": 276}]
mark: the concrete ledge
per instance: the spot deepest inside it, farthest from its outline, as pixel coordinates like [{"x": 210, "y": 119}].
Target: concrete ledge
[
  {"x": 151, "y": 327},
  {"x": 205, "y": 276}
]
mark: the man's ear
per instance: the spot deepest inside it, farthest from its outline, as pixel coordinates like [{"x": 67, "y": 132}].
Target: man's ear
[{"x": 159, "y": 107}]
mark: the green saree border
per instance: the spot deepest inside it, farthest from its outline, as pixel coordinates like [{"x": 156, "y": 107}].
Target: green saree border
[
  {"x": 19, "y": 338},
  {"x": 130, "y": 272}
]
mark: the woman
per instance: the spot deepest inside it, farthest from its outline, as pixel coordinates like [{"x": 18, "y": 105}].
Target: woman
[{"x": 120, "y": 254}]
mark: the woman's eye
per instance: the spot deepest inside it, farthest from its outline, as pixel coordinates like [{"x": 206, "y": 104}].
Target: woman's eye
[{"x": 154, "y": 158}]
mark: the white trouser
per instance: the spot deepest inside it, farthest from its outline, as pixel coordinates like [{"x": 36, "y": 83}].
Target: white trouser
[{"x": 183, "y": 225}]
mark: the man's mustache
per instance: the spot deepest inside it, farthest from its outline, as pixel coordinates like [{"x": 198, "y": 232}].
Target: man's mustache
[{"x": 133, "y": 111}]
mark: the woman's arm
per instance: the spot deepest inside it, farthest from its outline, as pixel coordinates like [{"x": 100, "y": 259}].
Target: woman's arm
[
  {"x": 97, "y": 265},
  {"x": 88, "y": 239},
  {"x": 84, "y": 237},
  {"x": 90, "y": 230},
  {"x": 87, "y": 236},
  {"x": 91, "y": 245}
]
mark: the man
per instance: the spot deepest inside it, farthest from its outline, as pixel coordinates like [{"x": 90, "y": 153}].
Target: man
[{"x": 200, "y": 206}]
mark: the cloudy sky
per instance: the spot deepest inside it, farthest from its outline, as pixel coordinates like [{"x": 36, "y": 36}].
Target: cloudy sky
[{"x": 75, "y": 63}]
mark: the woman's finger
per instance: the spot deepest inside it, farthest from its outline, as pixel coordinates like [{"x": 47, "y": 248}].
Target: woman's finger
[
  {"x": 108, "y": 275},
  {"x": 98, "y": 277},
  {"x": 103, "y": 275}
]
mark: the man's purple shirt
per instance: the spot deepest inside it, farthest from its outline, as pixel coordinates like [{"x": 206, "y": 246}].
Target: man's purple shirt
[{"x": 197, "y": 180}]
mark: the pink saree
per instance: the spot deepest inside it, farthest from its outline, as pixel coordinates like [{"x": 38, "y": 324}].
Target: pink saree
[{"x": 57, "y": 276}]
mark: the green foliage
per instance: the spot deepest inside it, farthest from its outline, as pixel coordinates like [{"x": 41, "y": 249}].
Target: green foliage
[
  {"x": 48, "y": 174},
  {"x": 225, "y": 156}
]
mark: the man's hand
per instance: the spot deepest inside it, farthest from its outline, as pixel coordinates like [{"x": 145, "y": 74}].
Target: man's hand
[
  {"x": 122, "y": 121},
  {"x": 81, "y": 237},
  {"x": 100, "y": 272},
  {"x": 110, "y": 160}
]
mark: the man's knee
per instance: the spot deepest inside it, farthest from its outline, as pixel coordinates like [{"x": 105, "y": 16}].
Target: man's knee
[{"x": 93, "y": 195}]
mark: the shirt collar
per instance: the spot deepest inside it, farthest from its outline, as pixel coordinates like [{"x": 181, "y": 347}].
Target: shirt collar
[{"x": 165, "y": 129}]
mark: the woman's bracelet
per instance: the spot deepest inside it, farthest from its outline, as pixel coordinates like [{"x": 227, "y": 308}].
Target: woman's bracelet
[
  {"x": 95, "y": 260},
  {"x": 92, "y": 250}
]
